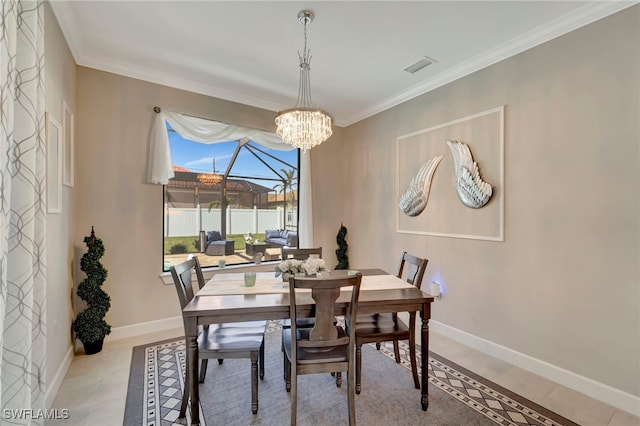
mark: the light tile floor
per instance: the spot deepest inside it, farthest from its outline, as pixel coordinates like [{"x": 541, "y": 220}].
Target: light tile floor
[{"x": 95, "y": 387}]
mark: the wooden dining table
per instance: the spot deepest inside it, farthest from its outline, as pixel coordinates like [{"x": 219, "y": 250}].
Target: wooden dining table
[{"x": 225, "y": 298}]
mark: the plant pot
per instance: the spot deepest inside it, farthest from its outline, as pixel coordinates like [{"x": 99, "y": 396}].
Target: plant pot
[{"x": 91, "y": 348}]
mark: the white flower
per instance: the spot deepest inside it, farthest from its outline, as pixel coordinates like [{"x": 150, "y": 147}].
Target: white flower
[
  {"x": 312, "y": 266},
  {"x": 289, "y": 266}
]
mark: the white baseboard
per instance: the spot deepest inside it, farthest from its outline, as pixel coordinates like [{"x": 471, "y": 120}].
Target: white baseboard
[
  {"x": 142, "y": 328},
  {"x": 605, "y": 393},
  {"x": 56, "y": 382}
]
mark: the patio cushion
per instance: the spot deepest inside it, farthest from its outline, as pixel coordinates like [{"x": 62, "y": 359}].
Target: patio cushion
[
  {"x": 213, "y": 236},
  {"x": 272, "y": 233}
]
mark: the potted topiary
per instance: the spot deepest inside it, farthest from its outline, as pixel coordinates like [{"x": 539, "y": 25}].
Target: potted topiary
[
  {"x": 90, "y": 326},
  {"x": 343, "y": 247}
]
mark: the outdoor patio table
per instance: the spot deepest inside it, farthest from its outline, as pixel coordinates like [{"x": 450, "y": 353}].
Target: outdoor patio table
[{"x": 225, "y": 299}]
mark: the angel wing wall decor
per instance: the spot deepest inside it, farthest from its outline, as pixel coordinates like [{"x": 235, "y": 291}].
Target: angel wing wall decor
[
  {"x": 414, "y": 200},
  {"x": 472, "y": 190}
]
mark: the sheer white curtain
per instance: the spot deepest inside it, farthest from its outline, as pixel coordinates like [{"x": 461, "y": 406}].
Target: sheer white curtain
[
  {"x": 22, "y": 208},
  {"x": 160, "y": 165}
]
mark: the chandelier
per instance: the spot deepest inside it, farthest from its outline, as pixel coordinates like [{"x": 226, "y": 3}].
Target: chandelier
[{"x": 304, "y": 126}]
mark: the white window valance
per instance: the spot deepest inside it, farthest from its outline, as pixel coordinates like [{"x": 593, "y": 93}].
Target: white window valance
[{"x": 160, "y": 164}]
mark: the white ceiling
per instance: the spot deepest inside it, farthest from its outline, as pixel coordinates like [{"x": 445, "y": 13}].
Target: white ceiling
[{"x": 247, "y": 51}]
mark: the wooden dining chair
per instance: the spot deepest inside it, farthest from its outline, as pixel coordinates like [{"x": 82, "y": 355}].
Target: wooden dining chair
[
  {"x": 220, "y": 341},
  {"x": 300, "y": 253},
  {"x": 380, "y": 328},
  {"x": 326, "y": 347}
]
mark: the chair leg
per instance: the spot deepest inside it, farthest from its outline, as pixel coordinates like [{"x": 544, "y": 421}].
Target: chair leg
[
  {"x": 284, "y": 366},
  {"x": 351, "y": 397},
  {"x": 262, "y": 360},
  {"x": 287, "y": 373},
  {"x": 220, "y": 361},
  {"x": 412, "y": 355},
  {"x": 378, "y": 345},
  {"x": 293, "y": 379},
  {"x": 358, "y": 386},
  {"x": 254, "y": 382},
  {"x": 185, "y": 392},
  {"x": 203, "y": 369},
  {"x": 396, "y": 351}
]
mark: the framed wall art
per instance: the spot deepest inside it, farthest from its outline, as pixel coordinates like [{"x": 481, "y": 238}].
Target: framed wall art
[
  {"x": 445, "y": 213},
  {"x": 68, "y": 138},
  {"x": 55, "y": 148}
]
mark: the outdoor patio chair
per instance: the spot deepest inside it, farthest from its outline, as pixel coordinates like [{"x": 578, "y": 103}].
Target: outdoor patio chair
[{"x": 216, "y": 246}]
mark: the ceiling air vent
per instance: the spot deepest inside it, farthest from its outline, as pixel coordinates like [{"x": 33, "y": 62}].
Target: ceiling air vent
[{"x": 422, "y": 63}]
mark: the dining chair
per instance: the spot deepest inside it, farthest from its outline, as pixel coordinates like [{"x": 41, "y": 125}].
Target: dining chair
[
  {"x": 326, "y": 347},
  {"x": 219, "y": 341},
  {"x": 380, "y": 328},
  {"x": 300, "y": 253}
]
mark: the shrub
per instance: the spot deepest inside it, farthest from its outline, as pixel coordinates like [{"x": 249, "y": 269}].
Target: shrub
[{"x": 178, "y": 249}]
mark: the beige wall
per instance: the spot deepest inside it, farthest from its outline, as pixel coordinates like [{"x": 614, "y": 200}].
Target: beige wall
[
  {"x": 564, "y": 286},
  {"x": 60, "y": 77},
  {"x": 571, "y": 199},
  {"x": 114, "y": 119}
]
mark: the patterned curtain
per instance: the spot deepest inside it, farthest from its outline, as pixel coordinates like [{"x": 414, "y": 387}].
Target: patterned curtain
[{"x": 22, "y": 212}]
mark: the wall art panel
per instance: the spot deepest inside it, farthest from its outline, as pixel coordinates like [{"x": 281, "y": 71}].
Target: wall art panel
[{"x": 445, "y": 215}]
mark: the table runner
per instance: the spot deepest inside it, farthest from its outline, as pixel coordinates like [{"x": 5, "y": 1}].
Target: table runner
[{"x": 267, "y": 283}]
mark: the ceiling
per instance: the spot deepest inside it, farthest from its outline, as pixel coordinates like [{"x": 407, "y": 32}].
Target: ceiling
[{"x": 247, "y": 51}]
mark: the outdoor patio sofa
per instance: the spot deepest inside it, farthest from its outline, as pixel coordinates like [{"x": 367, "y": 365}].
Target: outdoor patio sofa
[
  {"x": 281, "y": 237},
  {"x": 216, "y": 246}
]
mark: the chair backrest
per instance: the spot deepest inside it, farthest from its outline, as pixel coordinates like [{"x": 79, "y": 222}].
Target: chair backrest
[
  {"x": 325, "y": 292},
  {"x": 301, "y": 253},
  {"x": 182, "y": 278},
  {"x": 415, "y": 267}
]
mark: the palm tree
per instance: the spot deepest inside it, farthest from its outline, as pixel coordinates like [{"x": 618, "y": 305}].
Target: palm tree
[
  {"x": 287, "y": 185},
  {"x": 217, "y": 203}
]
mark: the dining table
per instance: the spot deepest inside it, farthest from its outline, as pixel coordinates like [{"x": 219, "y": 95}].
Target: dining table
[{"x": 225, "y": 298}]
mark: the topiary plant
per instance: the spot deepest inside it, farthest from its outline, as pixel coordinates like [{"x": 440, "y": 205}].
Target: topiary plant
[
  {"x": 343, "y": 247},
  {"x": 90, "y": 326}
]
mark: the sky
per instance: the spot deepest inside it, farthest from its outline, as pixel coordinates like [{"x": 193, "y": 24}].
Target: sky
[{"x": 199, "y": 157}]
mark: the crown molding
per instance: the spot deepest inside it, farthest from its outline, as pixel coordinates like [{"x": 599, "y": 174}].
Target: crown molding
[{"x": 586, "y": 15}]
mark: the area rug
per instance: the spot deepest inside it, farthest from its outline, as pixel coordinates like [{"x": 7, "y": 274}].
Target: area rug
[{"x": 456, "y": 395}]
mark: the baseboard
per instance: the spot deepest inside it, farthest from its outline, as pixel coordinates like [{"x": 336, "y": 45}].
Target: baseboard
[
  {"x": 605, "y": 393},
  {"x": 142, "y": 328},
  {"x": 58, "y": 378}
]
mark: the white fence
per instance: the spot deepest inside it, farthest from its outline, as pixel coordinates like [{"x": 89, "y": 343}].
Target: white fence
[{"x": 182, "y": 222}]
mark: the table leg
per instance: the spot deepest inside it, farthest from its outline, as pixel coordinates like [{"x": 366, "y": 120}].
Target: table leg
[
  {"x": 192, "y": 349},
  {"x": 425, "y": 314}
]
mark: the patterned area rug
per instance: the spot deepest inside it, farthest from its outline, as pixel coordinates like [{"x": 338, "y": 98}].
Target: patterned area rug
[{"x": 457, "y": 396}]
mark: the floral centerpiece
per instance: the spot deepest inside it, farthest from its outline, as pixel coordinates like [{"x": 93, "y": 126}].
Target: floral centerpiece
[
  {"x": 290, "y": 267},
  {"x": 312, "y": 266}
]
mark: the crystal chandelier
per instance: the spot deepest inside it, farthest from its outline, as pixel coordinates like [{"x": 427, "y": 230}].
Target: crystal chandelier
[{"x": 304, "y": 126}]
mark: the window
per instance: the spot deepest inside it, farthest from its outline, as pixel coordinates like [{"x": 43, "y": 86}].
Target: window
[{"x": 230, "y": 193}]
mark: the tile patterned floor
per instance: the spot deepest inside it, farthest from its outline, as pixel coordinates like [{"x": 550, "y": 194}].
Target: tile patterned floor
[
  {"x": 164, "y": 382},
  {"x": 95, "y": 387}
]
